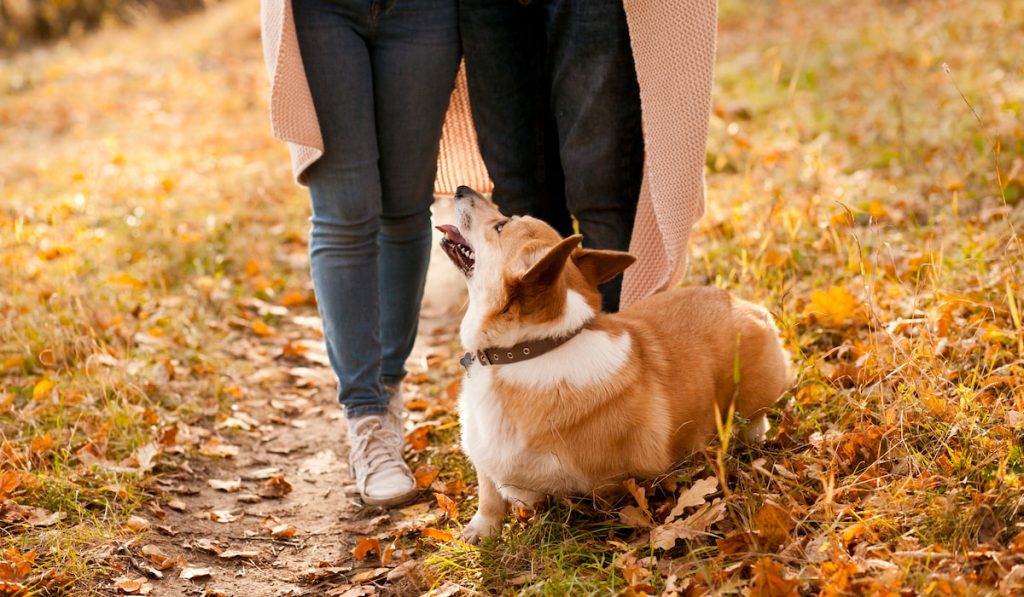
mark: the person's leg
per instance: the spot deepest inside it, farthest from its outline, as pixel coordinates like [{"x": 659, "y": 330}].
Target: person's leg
[
  {"x": 503, "y": 43},
  {"x": 344, "y": 187},
  {"x": 595, "y": 100},
  {"x": 415, "y": 54}
]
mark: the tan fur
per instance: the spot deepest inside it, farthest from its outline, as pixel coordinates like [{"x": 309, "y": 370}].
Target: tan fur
[{"x": 687, "y": 348}]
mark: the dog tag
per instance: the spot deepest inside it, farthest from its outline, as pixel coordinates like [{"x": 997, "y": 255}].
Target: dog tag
[{"x": 466, "y": 361}]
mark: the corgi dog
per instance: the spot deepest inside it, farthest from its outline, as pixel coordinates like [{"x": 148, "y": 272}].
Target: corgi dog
[{"x": 562, "y": 399}]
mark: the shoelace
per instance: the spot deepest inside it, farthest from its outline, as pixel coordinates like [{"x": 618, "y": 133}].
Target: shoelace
[{"x": 374, "y": 447}]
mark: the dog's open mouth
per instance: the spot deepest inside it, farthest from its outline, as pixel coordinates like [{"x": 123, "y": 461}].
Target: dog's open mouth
[{"x": 457, "y": 248}]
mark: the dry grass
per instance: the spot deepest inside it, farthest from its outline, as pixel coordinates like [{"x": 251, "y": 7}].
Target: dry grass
[{"x": 870, "y": 197}]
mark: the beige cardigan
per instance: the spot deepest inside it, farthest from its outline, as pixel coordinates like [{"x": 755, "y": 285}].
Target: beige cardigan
[{"x": 674, "y": 51}]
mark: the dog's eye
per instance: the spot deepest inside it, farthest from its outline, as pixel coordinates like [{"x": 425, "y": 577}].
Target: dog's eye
[{"x": 500, "y": 225}]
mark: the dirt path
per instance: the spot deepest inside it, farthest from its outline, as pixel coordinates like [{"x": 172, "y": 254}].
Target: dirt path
[{"x": 299, "y": 544}]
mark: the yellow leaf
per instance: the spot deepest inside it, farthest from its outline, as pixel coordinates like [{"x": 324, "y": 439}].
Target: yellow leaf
[
  {"x": 129, "y": 280},
  {"x": 42, "y": 389},
  {"x": 833, "y": 307}
]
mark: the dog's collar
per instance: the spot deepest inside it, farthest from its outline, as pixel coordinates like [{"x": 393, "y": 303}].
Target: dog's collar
[{"x": 524, "y": 351}]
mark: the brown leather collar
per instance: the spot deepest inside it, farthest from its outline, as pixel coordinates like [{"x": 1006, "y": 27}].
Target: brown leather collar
[{"x": 524, "y": 351}]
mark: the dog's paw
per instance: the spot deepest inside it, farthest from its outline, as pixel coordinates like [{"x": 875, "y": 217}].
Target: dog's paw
[{"x": 479, "y": 529}]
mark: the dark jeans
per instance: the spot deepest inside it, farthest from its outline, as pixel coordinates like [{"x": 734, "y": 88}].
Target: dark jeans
[
  {"x": 557, "y": 110},
  {"x": 381, "y": 73}
]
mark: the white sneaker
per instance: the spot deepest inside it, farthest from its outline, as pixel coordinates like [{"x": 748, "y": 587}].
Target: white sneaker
[
  {"x": 382, "y": 477},
  {"x": 396, "y": 408}
]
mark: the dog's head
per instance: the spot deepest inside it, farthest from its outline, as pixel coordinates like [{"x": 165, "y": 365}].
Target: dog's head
[{"x": 525, "y": 281}]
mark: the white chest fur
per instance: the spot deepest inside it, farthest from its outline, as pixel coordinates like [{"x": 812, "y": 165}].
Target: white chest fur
[
  {"x": 491, "y": 439},
  {"x": 499, "y": 451}
]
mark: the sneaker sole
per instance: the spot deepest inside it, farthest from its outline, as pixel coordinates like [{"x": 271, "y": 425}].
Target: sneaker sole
[{"x": 388, "y": 502}]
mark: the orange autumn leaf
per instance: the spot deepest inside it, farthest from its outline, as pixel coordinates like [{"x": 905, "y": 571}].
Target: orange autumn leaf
[
  {"x": 770, "y": 581},
  {"x": 773, "y": 524},
  {"x": 40, "y": 444},
  {"x": 418, "y": 437},
  {"x": 365, "y": 547},
  {"x": 438, "y": 534},
  {"x": 451, "y": 509},
  {"x": 9, "y": 481},
  {"x": 261, "y": 329},
  {"x": 294, "y": 298},
  {"x": 425, "y": 475}
]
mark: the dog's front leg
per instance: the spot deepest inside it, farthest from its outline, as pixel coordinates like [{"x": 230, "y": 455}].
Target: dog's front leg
[{"x": 490, "y": 513}]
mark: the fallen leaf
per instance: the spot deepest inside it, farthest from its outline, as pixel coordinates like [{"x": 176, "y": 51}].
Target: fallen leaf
[
  {"x": 261, "y": 329},
  {"x": 137, "y": 524},
  {"x": 694, "y": 496},
  {"x": 42, "y": 389},
  {"x": 418, "y": 437},
  {"x": 229, "y": 485},
  {"x": 275, "y": 487},
  {"x": 369, "y": 575},
  {"x": 294, "y": 298},
  {"x": 145, "y": 457},
  {"x": 425, "y": 475},
  {"x": 262, "y": 473},
  {"x": 320, "y": 463},
  {"x": 190, "y": 573},
  {"x": 9, "y": 481},
  {"x": 834, "y": 307},
  {"x": 207, "y": 545},
  {"x": 282, "y": 531},
  {"x": 639, "y": 494},
  {"x": 176, "y": 505},
  {"x": 40, "y": 444},
  {"x": 448, "y": 505},
  {"x": 636, "y": 517},
  {"x": 697, "y": 524},
  {"x": 365, "y": 547},
  {"x": 770, "y": 581},
  {"x": 364, "y": 527},
  {"x": 224, "y": 516},
  {"x": 437, "y": 534},
  {"x": 159, "y": 559},
  {"x": 216, "y": 448},
  {"x": 230, "y": 554},
  {"x": 133, "y": 586}
]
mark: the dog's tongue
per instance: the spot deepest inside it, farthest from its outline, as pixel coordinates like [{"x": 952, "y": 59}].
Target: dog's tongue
[{"x": 452, "y": 233}]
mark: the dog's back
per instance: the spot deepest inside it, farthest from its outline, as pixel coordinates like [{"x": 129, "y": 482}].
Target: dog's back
[{"x": 706, "y": 342}]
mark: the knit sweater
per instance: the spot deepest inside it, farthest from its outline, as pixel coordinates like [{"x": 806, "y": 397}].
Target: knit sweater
[{"x": 674, "y": 51}]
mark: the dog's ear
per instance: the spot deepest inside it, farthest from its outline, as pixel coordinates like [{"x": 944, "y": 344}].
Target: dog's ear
[
  {"x": 599, "y": 266},
  {"x": 546, "y": 271}
]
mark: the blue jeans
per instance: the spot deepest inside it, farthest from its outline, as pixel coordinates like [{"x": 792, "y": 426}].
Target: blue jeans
[
  {"x": 556, "y": 106},
  {"x": 381, "y": 73}
]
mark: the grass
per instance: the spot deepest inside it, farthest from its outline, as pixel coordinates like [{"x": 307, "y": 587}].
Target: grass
[{"x": 868, "y": 195}]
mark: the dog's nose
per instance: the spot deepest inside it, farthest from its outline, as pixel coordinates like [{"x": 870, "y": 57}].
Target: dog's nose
[{"x": 463, "y": 191}]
